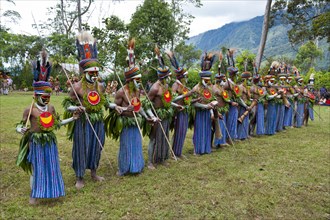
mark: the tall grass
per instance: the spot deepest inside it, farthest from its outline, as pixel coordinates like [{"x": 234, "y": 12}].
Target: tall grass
[{"x": 285, "y": 176}]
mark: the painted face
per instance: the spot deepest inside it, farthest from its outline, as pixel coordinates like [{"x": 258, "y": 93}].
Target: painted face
[
  {"x": 168, "y": 79},
  {"x": 137, "y": 82},
  {"x": 282, "y": 80},
  {"x": 43, "y": 99},
  {"x": 300, "y": 82},
  {"x": 92, "y": 76},
  {"x": 206, "y": 82},
  {"x": 222, "y": 81},
  {"x": 289, "y": 79},
  {"x": 271, "y": 82}
]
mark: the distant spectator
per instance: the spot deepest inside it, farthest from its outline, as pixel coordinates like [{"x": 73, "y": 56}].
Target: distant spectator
[{"x": 323, "y": 91}]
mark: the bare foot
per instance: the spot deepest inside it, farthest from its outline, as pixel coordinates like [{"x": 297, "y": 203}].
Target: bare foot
[
  {"x": 80, "y": 183},
  {"x": 151, "y": 166},
  {"x": 98, "y": 178},
  {"x": 33, "y": 201}
]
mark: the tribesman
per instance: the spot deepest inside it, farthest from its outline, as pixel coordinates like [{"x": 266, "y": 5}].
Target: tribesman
[
  {"x": 130, "y": 156},
  {"x": 288, "y": 114},
  {"x": 181, "y": 118},
  {"x": 202, "y": 137},
  {"x": 300, "y": 99},
  {"x": 308, "y": 92},
  {"x": 161, "y": 100},
  {"x": 223, "y": 103},
  {"x": 234, "y": 94},
  {"x": 88, "y": 132},
  {"x": 258, "y": 93},
  {"x": 244, "y": 102},
  {"x": 38, "y": 147},
  {"x": 271, "y": 97}
]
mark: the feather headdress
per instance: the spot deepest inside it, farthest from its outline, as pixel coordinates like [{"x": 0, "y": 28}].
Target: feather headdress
[
  {"x": 131, "y": 71},
  {"x": 162, "y": 71},
  {"x": 86, "y": 45},
  {"x": 41, "y": 69},
  {"x": 180, "y": 71}
]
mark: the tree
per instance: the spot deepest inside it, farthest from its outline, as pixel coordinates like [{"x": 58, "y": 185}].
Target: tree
[
  {"x": 305, "y": 17},
  {"x": 246, "y": 58},
  {"x": 187, "y": 55},
  {"x": 152, "y": 23},
  {"x": 307, "y": 55},
  {"x": 66, "y": 16},
  {"x": 263, "y": 34},
  {"x": 112, "y": 42}
]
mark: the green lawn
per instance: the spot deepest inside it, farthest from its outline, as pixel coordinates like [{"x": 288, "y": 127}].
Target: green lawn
[{"x": 285, "y": 176}]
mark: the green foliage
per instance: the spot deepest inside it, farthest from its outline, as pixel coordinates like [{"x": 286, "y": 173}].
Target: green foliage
[
  {"x": 112, "y": 42},
  {"x": 322, "y": 78},
  {"x": 305, "y": 18},
  {"x": 307, "y": 55},
  {"x": 245, "y": 58},
  {"x": 153, "y": 23}
]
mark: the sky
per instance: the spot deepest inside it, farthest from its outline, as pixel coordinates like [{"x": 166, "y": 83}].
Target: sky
[{"x": 212, "y": 15}]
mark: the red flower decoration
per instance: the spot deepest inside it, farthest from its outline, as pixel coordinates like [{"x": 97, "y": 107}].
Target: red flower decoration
[
  {"x": 46, "y": 119},
  {"x": 261, "y": 91},
  {"x": 136, "y": 103},
  {"x": 272, "y": 91},
  {"x": 93, "y": 98}
]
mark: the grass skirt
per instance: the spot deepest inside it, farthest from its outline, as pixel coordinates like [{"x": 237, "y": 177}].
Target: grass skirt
[
  {"x": 130, "y": 157},
  {"x": 47, "y": 177},
  {"x": 202, "y": 132},
  {"x": 86, "y": 151}
]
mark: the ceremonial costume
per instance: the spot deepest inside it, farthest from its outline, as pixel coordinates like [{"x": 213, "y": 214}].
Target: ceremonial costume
[
  {"x": 300, "y": 100},
  {"x": 271, "y": 97},
  {"x": 87, "y": 132},
  {"x": 288, "y": 114},
  {"x": 258, "y": 93},
  {"x": 158, "y": 149},
  {"x": 203, "y": 125},
  {"x": 223, "y": 104},
  {"x": 38, "y": 152},
  {"x": 280, "y": 102},
  {"x": 181, "y": 117},
  {"x": 244, "y": 101},
  {"x": 130, "y": 156},
  {"x": 235, "y": 94},
  {"x": 41, "y": 70}
]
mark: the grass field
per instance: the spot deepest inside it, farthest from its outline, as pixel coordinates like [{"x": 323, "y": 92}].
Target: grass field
[{"x": 285, "y": 176}]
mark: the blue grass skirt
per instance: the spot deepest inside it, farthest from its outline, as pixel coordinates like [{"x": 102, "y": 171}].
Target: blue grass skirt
[
  {"x": 180, "y": 131},
  {"x": 288, "y": 115},
  {"x": 260, "y": 130},
  {"x": 270, "y": 119},
  {"x": 202, "y": 132},
  {"x": 280, "y": 117},
  {"x": 47, "y": 176},
  {"x": 300, "y": 117},
  {"x": 243, "y": 128},
  {"x": 311, "y": 112},
  {"x": 86, "y": 151},
  {"x": 130, "y": 157},
  {"x": 232, "y": 122},
  {"x": 222, "y": 123}
]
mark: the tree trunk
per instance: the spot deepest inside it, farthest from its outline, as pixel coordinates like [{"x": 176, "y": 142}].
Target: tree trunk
[
  {"x": 79, "y": 15},
  {"x": 263, "y": 34}
]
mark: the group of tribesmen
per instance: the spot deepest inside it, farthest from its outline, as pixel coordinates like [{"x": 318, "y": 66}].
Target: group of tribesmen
[{"x": 233, "y": 108}]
